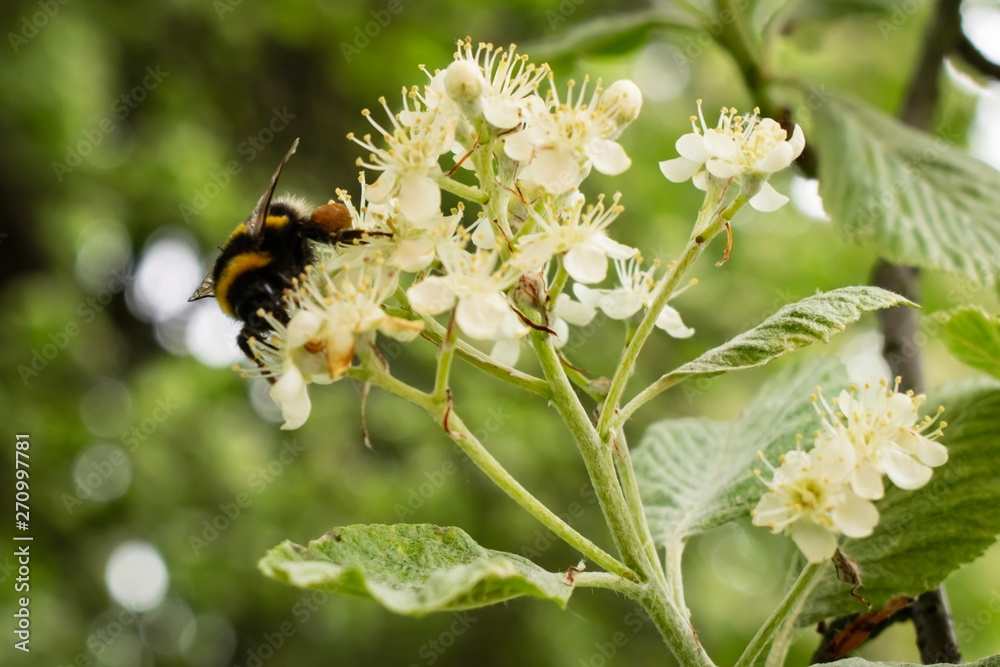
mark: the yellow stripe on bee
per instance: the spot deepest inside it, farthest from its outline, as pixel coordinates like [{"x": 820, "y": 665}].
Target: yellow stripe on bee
[
  {"x": 236, "y": 267},
  {"x": 276, "y": 221}
]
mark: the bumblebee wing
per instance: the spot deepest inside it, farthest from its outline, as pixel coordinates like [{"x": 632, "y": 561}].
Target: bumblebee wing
[
  {"x": 255, "y": 223},
  {"x": 205, "y": 289}
]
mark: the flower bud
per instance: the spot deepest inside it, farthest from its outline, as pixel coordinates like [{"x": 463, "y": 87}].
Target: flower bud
[
  {"x": 463, "y": 81},
  {"x": 621, "y": 102},
  {"x": 531, "y": 291}
]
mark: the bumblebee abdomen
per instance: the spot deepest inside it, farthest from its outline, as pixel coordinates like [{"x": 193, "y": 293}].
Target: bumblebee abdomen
[{"x": 234, "y": 275}]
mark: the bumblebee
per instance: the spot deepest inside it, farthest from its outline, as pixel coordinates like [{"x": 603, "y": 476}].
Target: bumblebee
[{"x": 264, "y": 255}]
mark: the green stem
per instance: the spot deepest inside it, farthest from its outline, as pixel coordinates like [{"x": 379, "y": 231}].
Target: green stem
[
  {"x": 464, "y": 191},
  {"x": 779, "y": 627},
  {"x": 456, "y": 429},
  {"x": 446, "y": 353},
  {"x": 675, "y": 629},
  {"x": 608, "y": 581},
  {"x": 700, "y": 238},
  {"x": 596, "y": 456},
  {"x": 630, "y": 488},
  {"x": 665, "y": 382},
  {"x": 435, "y": 333}
]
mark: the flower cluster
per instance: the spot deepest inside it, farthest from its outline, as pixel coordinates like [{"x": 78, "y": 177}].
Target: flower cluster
[
  {"x": 536, "y": 242},
  {"x": 745, "y": 148},
  {"x": 816, "y": 496},
  {"x": 529, "y": 153}
]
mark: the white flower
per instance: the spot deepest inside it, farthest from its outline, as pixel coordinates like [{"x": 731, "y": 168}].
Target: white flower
[
  {"x": 561, "y": 140},
  {"x": 635, "y": 292},
  {"x": 580, "y": 235},
  {"x": 748, "y": 147},
  {"x": 395, "y": 241},
  {"x": 328, "y": 316},
  {"x": 288, "y": 359},
  {"x": 621, "y": 104},
  {"x": 810, "y": 500},
  {"x": 409, "y": 165},
  {"x": 885, "y": 431},
  {"x": 506, "y": 80},
  {"x": 474, "y": 289},
  {"x": 567, "y": 311}
]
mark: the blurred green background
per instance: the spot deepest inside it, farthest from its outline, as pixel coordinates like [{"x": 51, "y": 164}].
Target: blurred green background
[{"x": 136, "y": 135}]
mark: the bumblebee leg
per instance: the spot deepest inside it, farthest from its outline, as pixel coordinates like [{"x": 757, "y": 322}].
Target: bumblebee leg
[{"x": 243, "y": 340}]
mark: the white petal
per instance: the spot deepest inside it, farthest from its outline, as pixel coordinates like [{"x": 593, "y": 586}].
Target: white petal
[
  {"x": 588, "y": 296},
  {"x": 432, "y": 295},
  {"x": 854, "y": 516},
  {"x": 692, "y": 147},
  {"x": 721, "y": 168},
  {"x": 519, "y": 146},
  {"x": 302, "y": 328},
  {"x": 679, "y": 169},
  {"x": 700, "y": 180},
  {"x": 289, "y": 385},
  {"x": 555, "y": 169},
  {"x": 480, "y": 316},
  {"x": 619, "y": 304},
  {"x": 586, "y": 263},
  {"x": 612, "y": 248},
  {"x": 776, "y": 159},
  {"x": 419, "y": 197},
  {"x": 932, "y": 453},
  {"x": 608, "y": 157},
  {"x": 484, "y": 237},
  {"x": 413, "y": 255},
  {"x": 561, "y": 329},
  {"x": 768, "y": 199},
  {"x": 506, "y": 351},
  {"x": 867, "y": 482},
  {"x": 501, "y": 112},
  {"x": 670, "y": 321},
  {"x": 380, "y": 190},
  {"x": 815, "y": 542},
  {"x": 904, "y": 470},
  {"x": 290, "y": 393},
  {"x": 574, "y": 312},
  {"x": 722, "y": 146},
  {"x": 797, "y": 142},
  {"x": 400, "y": 329},
  {"x": 901, "y": 411}
]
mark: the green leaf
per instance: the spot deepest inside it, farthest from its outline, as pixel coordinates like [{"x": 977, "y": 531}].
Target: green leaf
[
  {"x": 992, "y": 661},
  {"x": 973, "y": 336},
  {"x": 606, "y": 35},
  {"x": 913, "y": 197},
  {"x": 829, "y": 10},
  {"x": 814, "y": 319},
  {"x": 925, "y": 535},
  {"x": 696, "y": 474},
  {"x": 411, "y": 569}
]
